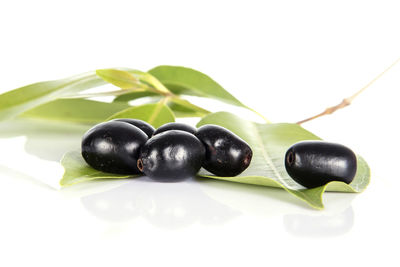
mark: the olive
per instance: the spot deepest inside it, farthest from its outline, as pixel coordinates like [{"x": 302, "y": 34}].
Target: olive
[
  {"x": 226, "y": 153},
  {"x": 316, "y": 163},
  {"x": 171, "y": 156},
  {"x": 175, "y": 126},
  {"x": 113, "y": 146},
  {"x": 142, "y": 125}
]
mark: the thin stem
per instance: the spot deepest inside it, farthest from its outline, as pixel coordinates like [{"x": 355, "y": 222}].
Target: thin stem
[{"x": 347, "y": 101}]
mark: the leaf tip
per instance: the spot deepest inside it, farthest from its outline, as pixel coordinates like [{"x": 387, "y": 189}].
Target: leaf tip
[{"x": 99, "y": 71}]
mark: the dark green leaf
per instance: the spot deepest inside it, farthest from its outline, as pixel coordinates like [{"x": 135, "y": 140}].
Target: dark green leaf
[
  {"x": 189, "y": 106},
  {"x": 133, "y": 95},
  {"x": 269, "y": 143},
  {"x": 181, "y": 111},
  {"x": 189, "y": 81}
]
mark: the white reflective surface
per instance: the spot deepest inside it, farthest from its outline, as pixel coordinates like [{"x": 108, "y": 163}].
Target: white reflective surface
[
  {"x": 287, "y": 59},
  {"x": 121, "y": 221}
]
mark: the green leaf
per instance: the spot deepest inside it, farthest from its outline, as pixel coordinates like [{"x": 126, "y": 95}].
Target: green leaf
[
  {"x": 132, "y": 96},
  {"x": 189, "y": 81},
  {"x": 180, "y": 107},
  {"x": 76, "y": 110},
  {"x": 155, "y": 114},
  {"x": 130, "y": 79},
  {"x": 120, "y": 78},
  {"x": 269, "y": 143},
  {"x": 77, "y": 170},
  {"x": 188, "y": 106},
  {"x": 182, "y": 111},
  {"x": 17, "y": 101}
]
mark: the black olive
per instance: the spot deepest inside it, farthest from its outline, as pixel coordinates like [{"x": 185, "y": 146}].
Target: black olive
[
  {"x": 171, "y": 156},
  {"x": 142, "y": 125},
  {"x": 316, "y": 163},
  {"x": 226, "y": 153},
  {"x": 175, "y": 126},
  {"x": 113, "y": 146}
]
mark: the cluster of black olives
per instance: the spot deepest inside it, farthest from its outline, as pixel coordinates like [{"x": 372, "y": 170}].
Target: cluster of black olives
[
  {"x": 316, "y": 163},
  {"x": 176, "y": 151},
  {"x": 172, "y": 152}
]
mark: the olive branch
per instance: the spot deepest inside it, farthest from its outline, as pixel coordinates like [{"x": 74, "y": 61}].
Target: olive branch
[{"x": 347, "y": 101}]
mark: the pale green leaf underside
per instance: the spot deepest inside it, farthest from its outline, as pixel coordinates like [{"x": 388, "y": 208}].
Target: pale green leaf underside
[
  {"x": 269, "y": 143},
  {"x": 155, "y": 114},
  {"x": 183, "y": 80},
  {"x": 120, "y": 78},
  {"x": 17, "y": 101},
  {"x": 76, "y": 110},
  {"x": 77, "y": 170}
]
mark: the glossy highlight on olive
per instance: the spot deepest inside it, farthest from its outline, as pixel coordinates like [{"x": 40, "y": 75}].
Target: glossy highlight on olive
[
  {"x": 171, "y": 156},
  {"x": 175, "y": 126},
  {"x": 316, "y": 163},
  {"x": 226, "y": 153},
  {"x": 113, "y": 147},
  {"x": 142, "y": 125}
]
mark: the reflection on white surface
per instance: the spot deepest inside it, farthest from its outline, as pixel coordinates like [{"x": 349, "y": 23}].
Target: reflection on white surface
[
  {"x": 24, "y": 164},
  {"x": 46, "y": 140},
  {"x": 337, "y": 218},
  {"x": 303, "y": 225},
  {"x": 167, "y": 205},
  {"x": 298, "y": 219},
  {"x": 259, "y": 201},
  {"x": 18, "y": 175},
  {"x": 35, "y": 147}
]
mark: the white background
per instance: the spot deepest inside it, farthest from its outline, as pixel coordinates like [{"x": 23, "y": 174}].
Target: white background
[{"x": 286, "y": 59}]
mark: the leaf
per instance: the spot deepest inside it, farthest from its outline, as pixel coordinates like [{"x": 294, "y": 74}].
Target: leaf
[
  {"x": 155, "y": 114},
  {"x": 77, "y": 170},
  {"x": 182, "y": 107},
  {"x": 129, "y": 78},
  {"x": 120, "y": 78},
  {"x": 132, "y": 96},
  {"x": 269, "y": 143},
  {"x": 76, "y": 110},
  {"x": 181, "y": 111},
  {"x": 17, "y": 101},
  {"x": 185, "y": 80},
  {"x": 189, "y": 106}
]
